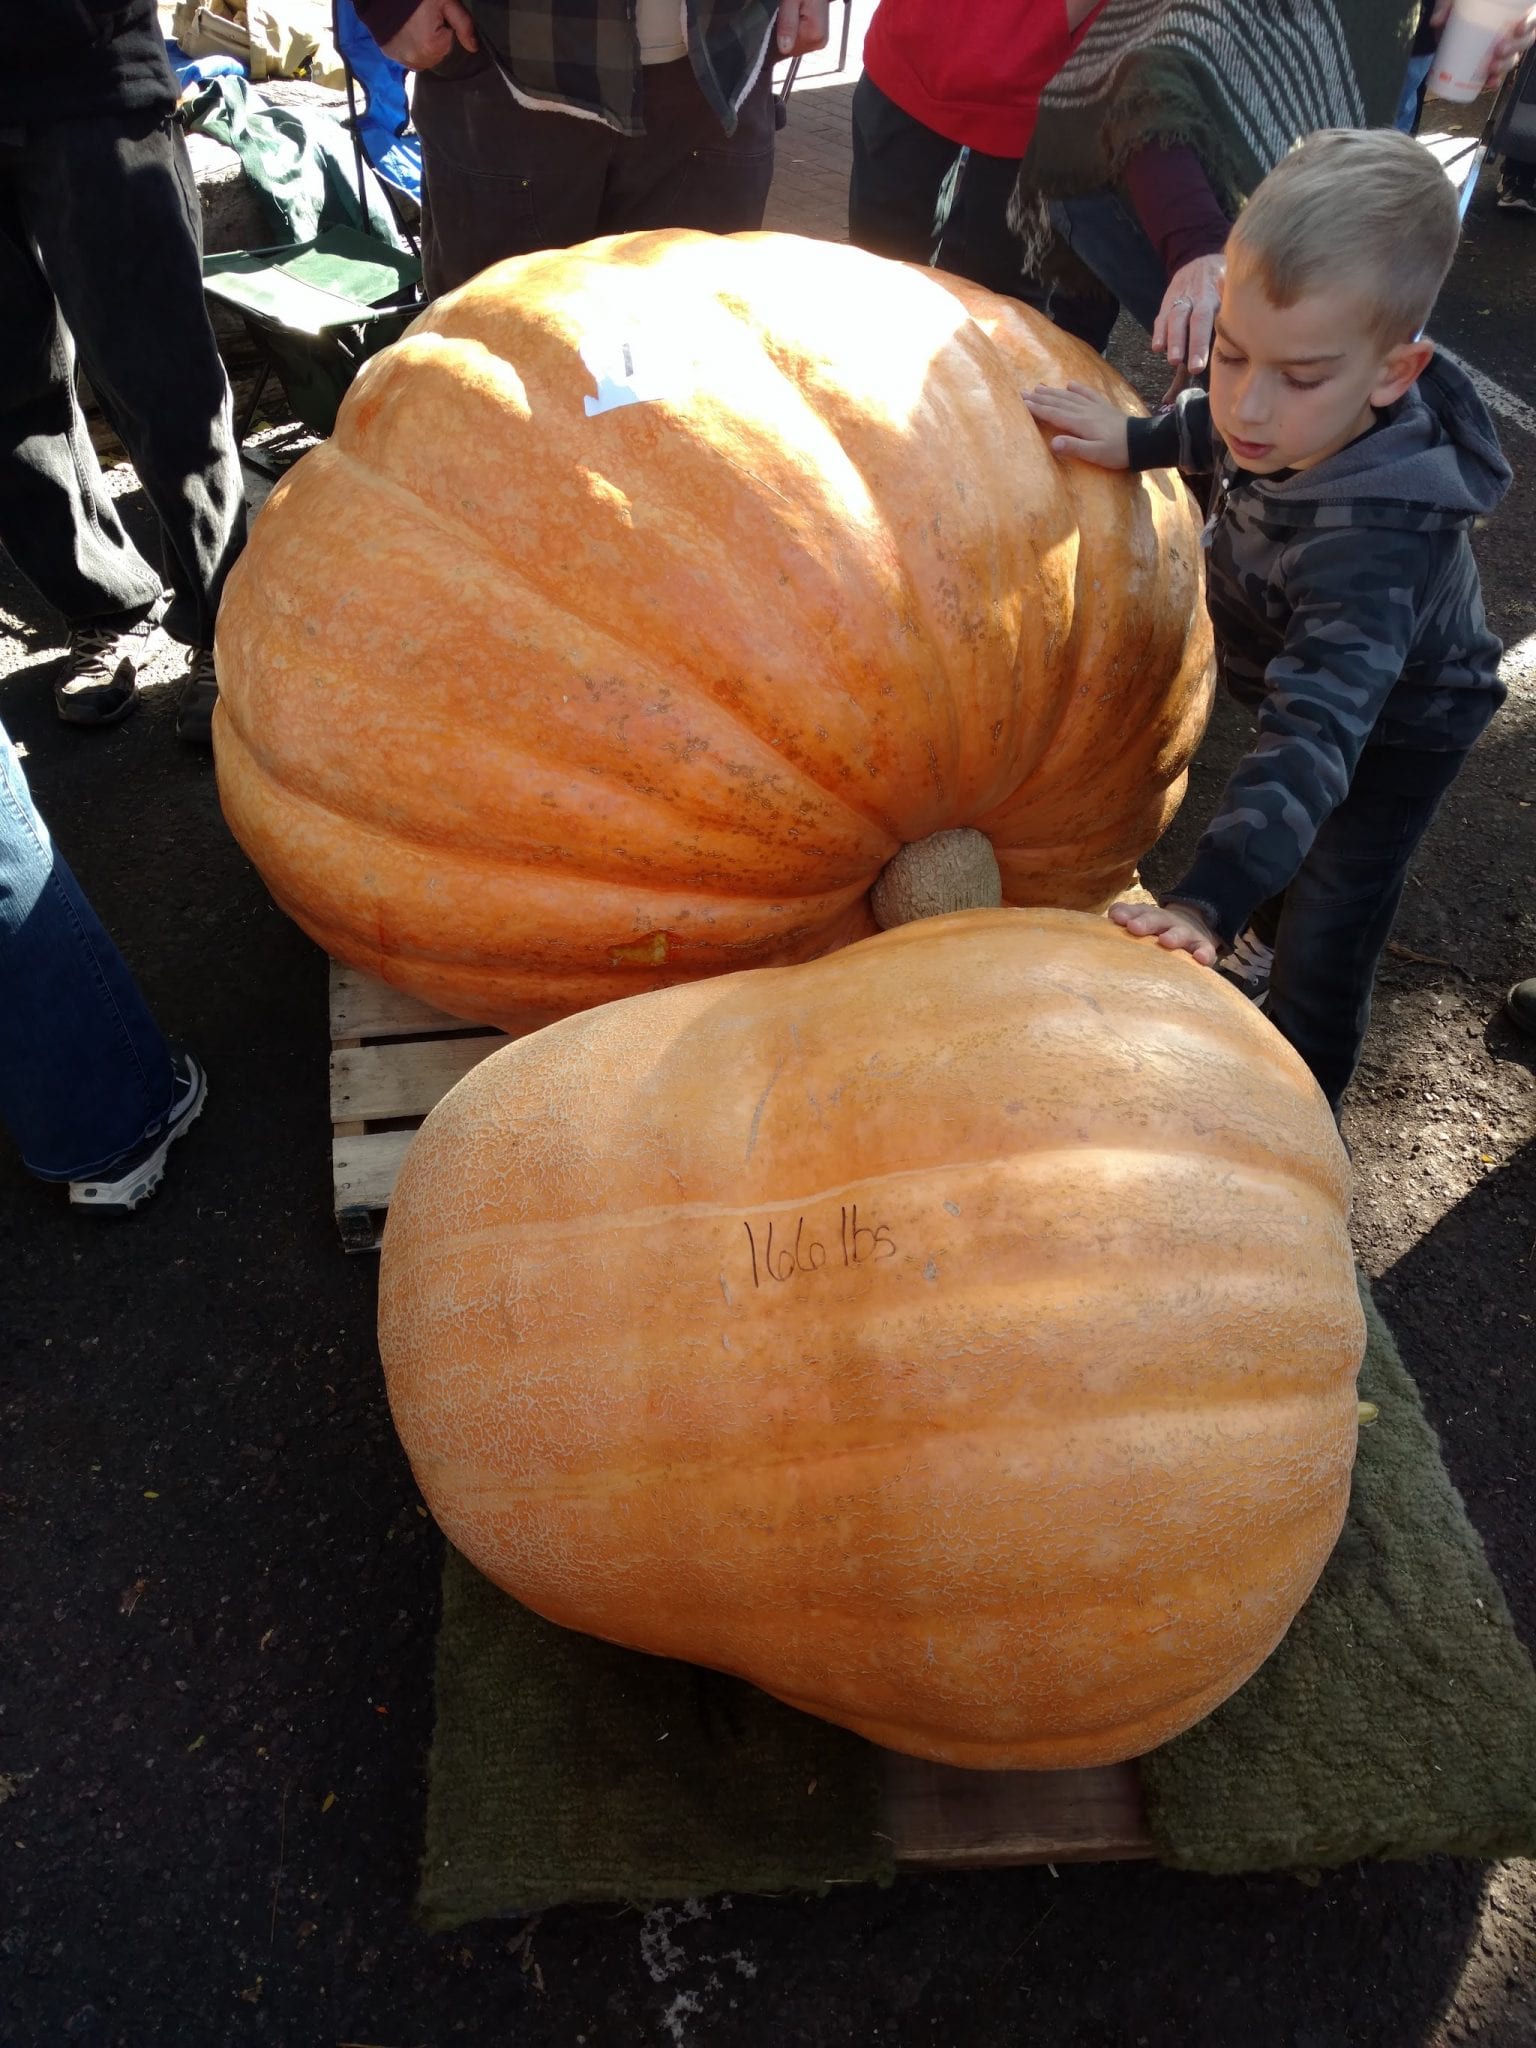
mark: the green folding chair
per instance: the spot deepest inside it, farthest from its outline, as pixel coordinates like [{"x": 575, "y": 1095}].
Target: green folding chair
[{"x": 315, "y": 311}]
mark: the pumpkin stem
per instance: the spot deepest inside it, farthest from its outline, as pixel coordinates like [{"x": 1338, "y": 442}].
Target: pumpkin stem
[{"x": 930, "y": 877}]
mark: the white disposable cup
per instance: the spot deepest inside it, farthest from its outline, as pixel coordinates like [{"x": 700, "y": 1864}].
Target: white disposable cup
[{"x": 1460, "y": 70}]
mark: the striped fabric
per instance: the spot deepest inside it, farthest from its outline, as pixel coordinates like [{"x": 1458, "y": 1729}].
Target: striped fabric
[
  {"x": 582, "y": 57},
  {"x": 1240, "y": 80}
]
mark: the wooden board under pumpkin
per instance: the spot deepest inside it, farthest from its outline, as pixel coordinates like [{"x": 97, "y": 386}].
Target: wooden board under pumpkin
[{"x": 392, "y": 1057}]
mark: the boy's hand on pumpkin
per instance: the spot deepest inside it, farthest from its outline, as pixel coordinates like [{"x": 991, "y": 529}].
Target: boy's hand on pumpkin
[
  {"x": 1088, "y": 425},
  {"x": 1174, "y": 925}
]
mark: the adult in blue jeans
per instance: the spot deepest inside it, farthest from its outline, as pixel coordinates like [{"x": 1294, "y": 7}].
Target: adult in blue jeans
[
  {"x": 89, "y": 1089},
  {"x": 1163, "y": 121}
]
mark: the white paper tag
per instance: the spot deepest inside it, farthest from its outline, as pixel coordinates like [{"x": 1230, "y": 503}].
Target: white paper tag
[{"x": 626, "y": 374}]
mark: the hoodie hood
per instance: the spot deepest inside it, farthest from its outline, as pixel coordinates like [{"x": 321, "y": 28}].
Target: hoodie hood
[{"x": 1432, "y": 461}]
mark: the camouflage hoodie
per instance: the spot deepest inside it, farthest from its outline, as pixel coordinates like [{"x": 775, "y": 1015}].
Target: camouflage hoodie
[{"x": 1347, "y": 611}]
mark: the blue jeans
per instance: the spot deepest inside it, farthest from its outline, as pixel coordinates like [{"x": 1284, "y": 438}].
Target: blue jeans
[
  {"x": 1419, "y": 68},
  {"x": 85, "y": 1075},
  {"x": 1329, "y": 927},
  {"x": 1105, "y": 235}
]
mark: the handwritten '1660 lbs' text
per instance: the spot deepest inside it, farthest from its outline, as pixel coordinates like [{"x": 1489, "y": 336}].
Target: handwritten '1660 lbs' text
[{"x": 781, "y": 1257}]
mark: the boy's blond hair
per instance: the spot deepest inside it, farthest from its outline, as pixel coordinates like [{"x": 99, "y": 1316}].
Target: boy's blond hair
[{"x": 1368, "y": 208}]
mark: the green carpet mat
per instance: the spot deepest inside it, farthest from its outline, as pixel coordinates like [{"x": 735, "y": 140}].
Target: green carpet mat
[
  {"x": 566, "y": 1769},
  {"x": 1397, "y": 1718}
]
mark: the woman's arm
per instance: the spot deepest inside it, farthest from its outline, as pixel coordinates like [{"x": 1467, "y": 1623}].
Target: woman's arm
[{"x": 1183, "y": 220}]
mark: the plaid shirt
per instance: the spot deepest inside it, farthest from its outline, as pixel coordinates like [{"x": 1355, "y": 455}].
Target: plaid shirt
[{"x": 582, "y": 56}]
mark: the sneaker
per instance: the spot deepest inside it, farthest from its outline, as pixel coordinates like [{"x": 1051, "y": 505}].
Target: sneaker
[
  {"x": 131, "y": 1180},
  {"x": 1517, "y": 187},
  {"x": 1247, "y": 966},
  {"x": 100, "y": 683},
  {"x": 1520, "y": 1006},
  {"x": 194, "y": 714}
]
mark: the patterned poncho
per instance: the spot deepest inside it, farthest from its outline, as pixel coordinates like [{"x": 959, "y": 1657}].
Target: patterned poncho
[{"x": 1239, "y": 81}]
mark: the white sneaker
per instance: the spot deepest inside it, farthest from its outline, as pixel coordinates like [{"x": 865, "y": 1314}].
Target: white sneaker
[{"x": 131, "y": 1180}]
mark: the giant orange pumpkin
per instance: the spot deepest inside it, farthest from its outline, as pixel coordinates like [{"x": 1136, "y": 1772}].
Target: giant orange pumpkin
[
  {"x": 533, "y": 698},
  {"x": 956, "y": 1336}
]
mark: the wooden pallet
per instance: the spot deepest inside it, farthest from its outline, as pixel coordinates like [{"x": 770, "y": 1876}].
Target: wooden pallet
[
  {"x": 943, "y": 1819},
  {"x": 391, "y": 1059}
]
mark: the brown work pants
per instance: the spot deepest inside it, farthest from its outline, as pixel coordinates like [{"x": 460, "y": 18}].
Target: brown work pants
[{"x": 500, "y": 179}]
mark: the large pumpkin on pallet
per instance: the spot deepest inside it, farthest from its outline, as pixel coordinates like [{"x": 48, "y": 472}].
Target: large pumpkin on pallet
[
  {"x": 957, "y": 1336},
  {"x": 650, "y": 595}
]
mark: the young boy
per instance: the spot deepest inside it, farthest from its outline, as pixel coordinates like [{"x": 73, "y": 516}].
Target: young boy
[{"x": 1349, "y": 468}]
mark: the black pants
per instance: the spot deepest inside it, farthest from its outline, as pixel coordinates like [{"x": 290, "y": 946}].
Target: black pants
[
  {"x": 101, "y": 252},
  {"x": 1330, "y": 926},
  {"x": 500, "y": 179},
  {"x": 901, "y": 168}
]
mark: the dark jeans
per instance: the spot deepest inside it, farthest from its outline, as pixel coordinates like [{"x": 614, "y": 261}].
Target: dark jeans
[
  {"x": 901, "y": 169},
  {"x": 500, "y": 179},
  {"x": 1329, "y": 927},
  {"x": 101, "y": 251},
  {"x": 1105, "y": 235},
  {"x": 84, "y": 1072}
]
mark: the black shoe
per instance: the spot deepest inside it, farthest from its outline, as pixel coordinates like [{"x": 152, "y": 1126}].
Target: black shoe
[
  {"x": 131, "y": 1180},
  {"x": 1517, "y": 188},
  {"x": 1247, "y": 966},
  {"x": 100, "y": 683},
  {"x": 1520, "y": 1006},
  {"x": 194, "y": 714}
]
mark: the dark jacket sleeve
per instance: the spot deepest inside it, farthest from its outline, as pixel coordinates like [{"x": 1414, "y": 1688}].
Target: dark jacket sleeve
[
  {"x": 1351, "y": 628},
  {"x": 1180, "y": 438}
]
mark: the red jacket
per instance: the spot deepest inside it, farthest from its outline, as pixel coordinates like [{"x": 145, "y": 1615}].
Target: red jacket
[{"x": 974, "y": 70}]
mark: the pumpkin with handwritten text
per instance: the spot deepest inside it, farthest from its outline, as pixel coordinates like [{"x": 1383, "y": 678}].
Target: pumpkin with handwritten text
[
  {"x": 956, "y": 1336},
  {"x": 651, "y": 595}
]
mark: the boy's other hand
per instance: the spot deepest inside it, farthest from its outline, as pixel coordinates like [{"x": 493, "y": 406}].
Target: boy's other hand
[
  {"x": 1088, "y": 425},
  {"x": 1177, "y": 927}
]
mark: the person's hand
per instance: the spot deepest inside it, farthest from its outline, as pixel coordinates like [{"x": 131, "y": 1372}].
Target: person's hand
[
  {"x": 1186, "y": 320},
  {"x": 802, "y": 26},
  {"x": 1089, "y": 425},
  {"x": 1510, "y": 47},
  {"x": 425, "y": 37},
  {"x": 1175, "y": 926}
]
